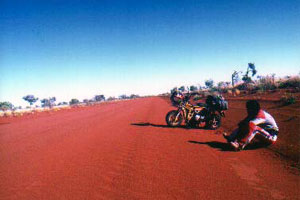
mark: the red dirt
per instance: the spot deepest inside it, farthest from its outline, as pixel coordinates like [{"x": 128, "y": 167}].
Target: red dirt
[{"x": 124, "y": 150}]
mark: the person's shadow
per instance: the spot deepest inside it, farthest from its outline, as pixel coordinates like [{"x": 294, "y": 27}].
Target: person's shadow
[
  {"x": 226, "y": 146},
  {"x": 166, "y": 126},
  {"x": 214, "y": 144}
]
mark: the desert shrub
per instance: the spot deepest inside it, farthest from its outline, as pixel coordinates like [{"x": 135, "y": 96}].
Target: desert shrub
[
  {"x": 266, "y": 83},
  {"x": 242, "y": 86},
  {"x": 293, "y": 82},
  {"x": 245, "y": 86},
  {"x": 288, "y": 99}
]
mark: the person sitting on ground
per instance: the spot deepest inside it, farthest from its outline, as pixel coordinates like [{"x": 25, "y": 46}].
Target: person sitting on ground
[{"x": 249, "y": 127}]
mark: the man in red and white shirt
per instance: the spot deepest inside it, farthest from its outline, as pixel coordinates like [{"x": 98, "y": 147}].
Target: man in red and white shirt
[{"x": 251, "y": 126}]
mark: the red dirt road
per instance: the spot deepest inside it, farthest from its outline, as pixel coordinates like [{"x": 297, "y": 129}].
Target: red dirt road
[{"x": 123, "y": 150}]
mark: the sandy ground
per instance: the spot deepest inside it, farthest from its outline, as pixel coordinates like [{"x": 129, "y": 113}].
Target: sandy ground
[{"x": 124, "y": 150}]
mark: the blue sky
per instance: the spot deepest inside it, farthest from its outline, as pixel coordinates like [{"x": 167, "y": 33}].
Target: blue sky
[{"x": 77, "y": 49}]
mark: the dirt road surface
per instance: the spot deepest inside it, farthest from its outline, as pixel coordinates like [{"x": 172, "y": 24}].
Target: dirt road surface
[{"x": 124, "y": 150}]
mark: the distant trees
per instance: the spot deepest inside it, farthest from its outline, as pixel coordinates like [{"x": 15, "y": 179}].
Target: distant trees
[
  {"x": 62, "y": 103},
  {"x": 48, "y": 102},
  {"x": 74, "y": 101},
  {"x": 100, "y": 97},
  {"x": 6, "y": 106},
  {"x": 133, "y": 96},
  {"x": 111, "y": 98},
  {"x": 123, "y": 96},
  {"x": 45, "y": 103},
  {"x": 30, "y": 99},
  {"x": 86, "y": 101}
]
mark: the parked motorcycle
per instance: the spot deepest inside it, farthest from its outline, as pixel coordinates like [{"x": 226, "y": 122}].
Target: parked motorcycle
[{"x": 207, "y": 115}]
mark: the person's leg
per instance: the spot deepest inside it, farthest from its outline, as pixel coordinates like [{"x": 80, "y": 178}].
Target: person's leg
[
  {"x": 253, "y": 130},
  {"x": 232, "y": 139},
  {"x": 270, "y": 137},
  {"x": 232, "y": 136}
]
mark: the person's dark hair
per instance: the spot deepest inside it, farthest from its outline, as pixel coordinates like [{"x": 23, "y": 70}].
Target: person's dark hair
[{"x": 253, "y": 107}]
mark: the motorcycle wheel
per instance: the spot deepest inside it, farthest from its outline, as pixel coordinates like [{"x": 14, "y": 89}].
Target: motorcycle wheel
[
  {"x": 214, "y": 122},
  {"x": 171, "y": 117}
]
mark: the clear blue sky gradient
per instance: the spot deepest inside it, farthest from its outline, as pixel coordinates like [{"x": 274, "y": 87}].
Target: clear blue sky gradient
[{"x": 77, "y": 49}]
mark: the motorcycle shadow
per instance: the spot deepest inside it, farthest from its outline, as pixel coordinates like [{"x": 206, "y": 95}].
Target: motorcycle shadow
[
  {"x": 224, "y": 146},
  {"x": 157, "y": 125},
  {"x": 165, "y": 126}
]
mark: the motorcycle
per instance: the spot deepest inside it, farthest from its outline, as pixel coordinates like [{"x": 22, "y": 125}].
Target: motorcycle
[{"x": 201, "y": 115}]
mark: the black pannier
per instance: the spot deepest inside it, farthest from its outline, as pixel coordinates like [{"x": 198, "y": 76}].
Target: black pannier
[{"x": 217, "y": 102}]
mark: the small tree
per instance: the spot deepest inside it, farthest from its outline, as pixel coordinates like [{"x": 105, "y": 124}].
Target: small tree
[
  {"x": 111, "y": 99},
  {"x": 31, "y": 99},
  {"x": 251, "y": 68},
  {"x": 74, "y": 101},
  {"x": 123, "y": 96},
  {"x": 62, "y": 103},
  {"x": 100, "y": 97},
  {"x": 209, "y": 83},
  {"x": 6, "y": 105},
  {"x": 133, "y": 96},
  {"x": 235, "y": 77},
  {"x": 182, "y": 89},
  {"x": 193, "y": 88},
  {"x": 86, "y": 101},
  {"x": 45, "y": 102},
  {"x": 48, "y": 102}
]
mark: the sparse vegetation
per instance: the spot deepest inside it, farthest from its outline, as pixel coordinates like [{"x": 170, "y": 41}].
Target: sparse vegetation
[
  {"x": 288, "y": 99},
  {"x": 265, "y": 83},
  {"x": 259, "y": 85},
  {"x": 290, "y": 82}
]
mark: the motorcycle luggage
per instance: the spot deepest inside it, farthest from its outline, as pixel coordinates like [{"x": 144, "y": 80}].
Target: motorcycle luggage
[{"x": 217, "y": 102}]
